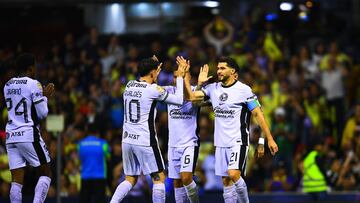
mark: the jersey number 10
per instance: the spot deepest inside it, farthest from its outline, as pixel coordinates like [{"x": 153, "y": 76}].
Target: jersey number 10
[
  {"x": 134, "y": 117},
  {"x": 18, "y": 112}
]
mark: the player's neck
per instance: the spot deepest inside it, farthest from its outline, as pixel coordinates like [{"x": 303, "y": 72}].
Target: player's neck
[
  {"x": 230, "y": 81},
  {"x": 147, "y": 79}
]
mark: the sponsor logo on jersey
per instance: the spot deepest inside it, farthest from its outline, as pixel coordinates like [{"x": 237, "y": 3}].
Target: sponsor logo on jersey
[
  {"x": 136, "y": 84},
  {"x": 178, "y": 114},
  {"x": 131, "y": 136},
  {"x": 18, "y": 82},
  {"x": 224, "y": 113},
  {"x": 15, "y": 134},
  {"x": 223, "y": 97}
]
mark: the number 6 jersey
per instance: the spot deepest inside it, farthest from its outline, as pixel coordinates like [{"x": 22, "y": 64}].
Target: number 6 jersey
[
  {"x": 26, "y": 105},
  {"x": 140, "y": 100}
]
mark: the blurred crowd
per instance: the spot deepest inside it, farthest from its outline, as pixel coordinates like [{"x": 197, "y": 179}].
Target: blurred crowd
[{"x": 307, "y": 88}]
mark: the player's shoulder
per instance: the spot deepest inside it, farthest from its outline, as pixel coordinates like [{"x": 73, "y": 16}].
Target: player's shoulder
[
  {"x": 212, "y": 85},
  {"x": 242, "y": 86}
]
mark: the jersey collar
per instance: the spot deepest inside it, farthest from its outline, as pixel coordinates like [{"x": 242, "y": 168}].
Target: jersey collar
[{"x": 227, "y": 86}]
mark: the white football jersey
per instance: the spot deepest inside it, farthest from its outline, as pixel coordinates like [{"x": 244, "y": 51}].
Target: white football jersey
[
  {"x": 140, "y": 100},
  {"x": 26, "y": 105},
  {"x": 232, "y": 106},
  {"x": 182, "y": 121}
]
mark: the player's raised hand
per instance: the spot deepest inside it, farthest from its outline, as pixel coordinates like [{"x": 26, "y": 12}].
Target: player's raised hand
[
  {"x": 49, "y": 90},
  {"x": 155, "y": 58},
  {"x": 203, "y": 75},
  {"x": 182, "y": 65},
  {"x": 273, "y": 146},
  {"x": 260, "y": 151}
]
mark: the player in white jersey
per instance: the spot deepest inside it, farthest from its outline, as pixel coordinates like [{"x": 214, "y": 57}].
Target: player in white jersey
[
  {"x": 26, "y": 103},
  {"x": 141, "y": 153},
  {"x": 233, "y": 103},
  {"x": 183, "y": 144}
]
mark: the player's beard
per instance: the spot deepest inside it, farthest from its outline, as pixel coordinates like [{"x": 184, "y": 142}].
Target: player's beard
[{"x": 223, "y": 78}]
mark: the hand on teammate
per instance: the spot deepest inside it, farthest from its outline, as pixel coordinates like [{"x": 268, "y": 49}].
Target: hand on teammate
[
  {"x": 203, "y": 75},
  {"x": 49, "y": 90}
]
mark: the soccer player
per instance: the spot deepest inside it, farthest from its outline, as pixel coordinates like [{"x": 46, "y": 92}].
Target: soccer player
[
  {"x": 26, "y": 103},
  {"x": 183, "y": 144},
  {"x": 141, "y": 153},
  {"x": 233, "y": 103}
]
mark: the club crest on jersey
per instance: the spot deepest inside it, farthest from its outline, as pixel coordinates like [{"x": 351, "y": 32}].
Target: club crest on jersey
[{"x": 223, "y": 97}]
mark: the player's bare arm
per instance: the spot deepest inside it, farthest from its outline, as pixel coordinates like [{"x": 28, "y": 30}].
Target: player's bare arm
[
  {"x": 203, "y": 77},
  {"x": 259, "y": 117}
]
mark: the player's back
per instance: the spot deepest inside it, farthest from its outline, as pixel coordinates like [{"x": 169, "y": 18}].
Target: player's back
[
  {"x": 21, "y": 95},
  {"x": 139, "y": 112}
]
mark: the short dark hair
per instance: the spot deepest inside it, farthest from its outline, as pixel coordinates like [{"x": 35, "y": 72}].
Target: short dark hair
[
  {"x": 145, "y": 66},
  {"x": 230, "y": 62},
  {"x": 24, "y": 61}
]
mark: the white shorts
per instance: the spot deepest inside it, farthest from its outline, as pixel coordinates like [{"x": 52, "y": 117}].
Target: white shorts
[
  {"x": 182, "y": 159},
  {"x": 230, "y": 158},
  {"x": 145, "y": 159},
  {"x": 33, "y": 153}
]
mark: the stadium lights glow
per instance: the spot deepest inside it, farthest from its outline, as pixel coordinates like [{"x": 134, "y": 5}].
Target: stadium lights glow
[
  {"x": 303, "y": 16},
  {"x": 115, "y": 9},
  {"x": 286, "y": 6},
  {"x": 211, "y": 4}
]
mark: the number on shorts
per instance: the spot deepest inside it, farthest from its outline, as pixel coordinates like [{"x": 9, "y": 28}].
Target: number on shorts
[
  {"x": 233, "y": 155},
  {"x": 187, "y": 159}
]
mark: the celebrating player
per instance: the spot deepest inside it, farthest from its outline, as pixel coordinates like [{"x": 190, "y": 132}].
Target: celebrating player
[
  {"x": 141, "y": 153},
  {"x": 233, "y": 103},
  {"x": 183, "y": 143},
  {"x": 26, "y": 103}
]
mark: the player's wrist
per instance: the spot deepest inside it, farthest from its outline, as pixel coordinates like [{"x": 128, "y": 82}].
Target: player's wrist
[{"x": 261, "y": 141}]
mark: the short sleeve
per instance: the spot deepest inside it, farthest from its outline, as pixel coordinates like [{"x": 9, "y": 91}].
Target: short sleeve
[
  {"x": 208, "y": 89},
  {"x": 251, "y": 99},
  {"x": 36, "y": 92},
  {"x": 159, "y": 93}
]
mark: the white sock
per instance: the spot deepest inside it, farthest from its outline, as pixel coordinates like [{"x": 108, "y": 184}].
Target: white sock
[
  {"x": 41, "y": 189},
  {"x": 158, "y": 195},
  {"x": 241, "y": 190},
  {"x": 15, "y": 193},
  {"x": 229, "y": 194},
  {"x": 192, "y": 192},
  {"x": 180, "y": 195},
  {"x": 121, "y": 191}
]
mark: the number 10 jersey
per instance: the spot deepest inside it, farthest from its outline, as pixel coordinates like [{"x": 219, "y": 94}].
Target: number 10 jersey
[{"x": 140, "y": 100}]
